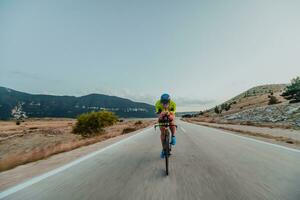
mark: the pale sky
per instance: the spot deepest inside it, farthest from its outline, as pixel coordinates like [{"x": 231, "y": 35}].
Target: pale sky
[{"x": 201, "y": 52}]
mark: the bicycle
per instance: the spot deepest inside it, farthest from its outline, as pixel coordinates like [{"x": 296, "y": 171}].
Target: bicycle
[{"x": 166, "y": 143}]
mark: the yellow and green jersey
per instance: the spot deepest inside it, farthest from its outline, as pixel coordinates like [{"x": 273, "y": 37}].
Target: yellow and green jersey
[{"x": 160, "y": 108}]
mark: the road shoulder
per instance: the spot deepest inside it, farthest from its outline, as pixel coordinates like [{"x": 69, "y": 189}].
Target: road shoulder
[{"x": 285, "y": 137}]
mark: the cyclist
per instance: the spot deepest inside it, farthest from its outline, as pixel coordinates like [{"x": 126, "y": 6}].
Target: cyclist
[{"x": 166, "y": 107}]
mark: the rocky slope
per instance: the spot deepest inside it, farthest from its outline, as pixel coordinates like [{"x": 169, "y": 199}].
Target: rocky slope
[
  {"x": 252, "y": 108},
  {"x": 281, "y": 113}
]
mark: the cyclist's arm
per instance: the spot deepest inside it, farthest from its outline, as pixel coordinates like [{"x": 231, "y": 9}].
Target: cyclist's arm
[
  {"x": 158, "y": 108},
  {"x": 173, "y": 108}
]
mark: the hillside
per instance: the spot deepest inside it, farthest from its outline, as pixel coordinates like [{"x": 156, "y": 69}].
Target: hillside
[
  {"x": 259, "y": 91},
  {"x": 252, "y": 107},
  {"x": 254, "y": 97},
  {"x": 35, "y": 105}
]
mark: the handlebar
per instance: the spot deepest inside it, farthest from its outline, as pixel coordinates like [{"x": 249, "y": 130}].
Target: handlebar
[
  {"x": 165, "y": 125},
  {"x": 164, "y": 122}
]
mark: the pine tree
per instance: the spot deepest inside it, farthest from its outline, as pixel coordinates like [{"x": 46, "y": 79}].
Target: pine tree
[
  {"x": 292, "y": 91},
  {"x": 217, "y": 110}
]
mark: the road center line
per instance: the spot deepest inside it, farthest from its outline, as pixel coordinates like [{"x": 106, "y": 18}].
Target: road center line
[
  {"x": 183, "y": 129},
  {"x": 39, "y": 178}
]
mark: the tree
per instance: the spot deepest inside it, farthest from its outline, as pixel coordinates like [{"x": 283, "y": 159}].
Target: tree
[
  {"x": 227, "y": 107},
  {"x": 223, "y": 106},
  {"x": 217, "y": 110},
  {"x": 18, "y": 114},
  {"x": 292, "y": 91}
]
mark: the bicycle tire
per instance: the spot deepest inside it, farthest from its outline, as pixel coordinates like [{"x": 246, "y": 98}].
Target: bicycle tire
[{"x": 167, "y": 152}]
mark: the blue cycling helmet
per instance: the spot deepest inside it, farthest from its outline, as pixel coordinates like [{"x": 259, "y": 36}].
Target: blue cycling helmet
[{"x": 165, "y": 98}]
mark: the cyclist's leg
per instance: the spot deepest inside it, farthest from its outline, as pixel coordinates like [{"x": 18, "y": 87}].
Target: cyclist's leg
[
  {"x": 172, "y": 128},
  {"x": 173, "y": 131},
  {"x": 162, "y": 136}
]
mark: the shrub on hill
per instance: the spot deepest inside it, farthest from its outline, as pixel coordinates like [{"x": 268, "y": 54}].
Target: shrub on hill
[
  {"x": 273, "y": 100},
  {"x": 292, "y": 91},
  {"x": 226, "y": 106},
  {"x": 92, "y": 123},
  {"x": 217, "y": 110}
]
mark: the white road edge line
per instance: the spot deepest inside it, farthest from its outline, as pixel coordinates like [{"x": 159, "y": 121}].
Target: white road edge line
[
  {"x": 252, "y": 139},
  {"x": 183, "y": 129},
  {"x": 39, "y": 178}
]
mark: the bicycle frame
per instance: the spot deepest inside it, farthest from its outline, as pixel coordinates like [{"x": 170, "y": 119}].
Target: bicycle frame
[{"x": 166, "y": 143}]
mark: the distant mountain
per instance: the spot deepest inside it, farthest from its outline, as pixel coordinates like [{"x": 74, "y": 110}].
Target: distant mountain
[{"x": 69, "y": 106}]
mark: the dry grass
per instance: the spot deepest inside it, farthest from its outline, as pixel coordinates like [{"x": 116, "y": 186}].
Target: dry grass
[
  {"x": 39, "y": 140},
  {"x": 263, "y": 135},
  {"x": 217, "y": 120},
  {"x": 15, "y": 159},
  {"x": 128, "y": 130}
]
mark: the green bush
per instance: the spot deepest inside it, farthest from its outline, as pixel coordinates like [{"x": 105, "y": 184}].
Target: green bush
[
  {"x": 93, "y": 123},
  {"x": 107, "y": 118},
  {"x": 292, "y": 91}
]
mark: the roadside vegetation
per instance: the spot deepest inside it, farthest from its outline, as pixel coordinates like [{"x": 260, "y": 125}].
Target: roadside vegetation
[
  {"x": 292, "y": 91},
  {"x": 40, "y": 138},
  {"x": 282, "y": 138},
  {"x": 18, "y": 114},
  {"x": 273, "y": 100},
  {"x": 92, "y": 123}
]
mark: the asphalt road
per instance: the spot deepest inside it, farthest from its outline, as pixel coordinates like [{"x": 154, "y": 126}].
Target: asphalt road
[{"x": 206, "y": 164}]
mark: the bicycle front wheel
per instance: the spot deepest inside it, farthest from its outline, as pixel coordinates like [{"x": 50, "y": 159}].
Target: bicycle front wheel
[{"x": 167, "y": 153}]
